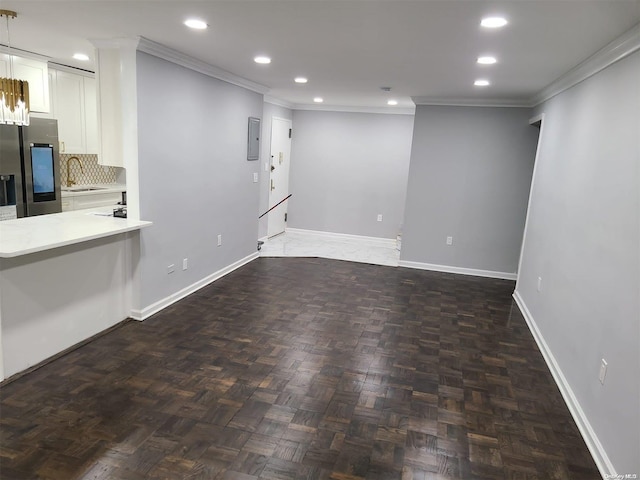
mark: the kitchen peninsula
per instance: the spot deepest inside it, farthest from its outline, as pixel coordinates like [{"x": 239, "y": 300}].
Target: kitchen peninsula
[
  {"x": 64, "y": 277},
  {"x": 45, "y": 232}
]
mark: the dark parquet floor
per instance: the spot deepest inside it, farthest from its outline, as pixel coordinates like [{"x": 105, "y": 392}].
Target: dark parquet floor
[{"x": 302, "y": 369}]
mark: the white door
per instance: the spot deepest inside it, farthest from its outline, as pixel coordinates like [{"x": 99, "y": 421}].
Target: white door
[{"x": 279, "y": 177}]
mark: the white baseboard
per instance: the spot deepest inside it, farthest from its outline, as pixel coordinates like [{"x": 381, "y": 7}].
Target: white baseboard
[
  {"x": 165, "y": 302},
  {"x": 344, "y": 236},
  {"x": 598, "y": 452},
  {"x": 458, "y": 270}
]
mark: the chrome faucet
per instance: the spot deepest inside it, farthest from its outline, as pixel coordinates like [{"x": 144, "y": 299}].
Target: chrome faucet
[{"x": 69, "y": 181}]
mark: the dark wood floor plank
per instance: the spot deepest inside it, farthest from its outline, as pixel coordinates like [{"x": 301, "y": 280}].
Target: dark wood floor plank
[{"x": 309, "y": 369}]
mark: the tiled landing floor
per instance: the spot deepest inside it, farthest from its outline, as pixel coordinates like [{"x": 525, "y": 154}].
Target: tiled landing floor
[{"x": 304, "y": 244}]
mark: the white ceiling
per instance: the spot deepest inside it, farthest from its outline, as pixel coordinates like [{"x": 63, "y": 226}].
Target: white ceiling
[{"x": 347, "y": 49}]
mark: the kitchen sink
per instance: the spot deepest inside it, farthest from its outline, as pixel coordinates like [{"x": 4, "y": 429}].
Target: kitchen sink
[{"x": 81, "y": 189}]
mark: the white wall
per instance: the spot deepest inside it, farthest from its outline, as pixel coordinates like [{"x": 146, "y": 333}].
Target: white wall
[
  {"x": 583, "y": 241},
  {"x": 469, "y": 179},
  {"x": 346, "y": 168},
  {"x": 269, "y": 111},
  {"x": 195, "y": 180}
]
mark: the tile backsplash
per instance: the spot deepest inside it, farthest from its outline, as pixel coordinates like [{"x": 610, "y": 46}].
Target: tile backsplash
[{"x": 91, "y": 172}]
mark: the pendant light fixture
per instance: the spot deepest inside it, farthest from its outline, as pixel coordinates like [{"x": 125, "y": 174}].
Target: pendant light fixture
[{"x": 14, "y": 93}]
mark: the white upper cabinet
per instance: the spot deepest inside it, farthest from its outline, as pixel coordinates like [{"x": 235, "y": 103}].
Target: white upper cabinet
[
  {"x": 68, "y": 109},
  {"x": 115, "y": 61},
  {"x": 110, "y": 114},
  {"x": 74, "y": 106},
  {"x": 34, "y": 72}
]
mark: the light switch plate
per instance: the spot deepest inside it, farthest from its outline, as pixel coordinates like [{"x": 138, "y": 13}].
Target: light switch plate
[
  {"x": 255, "y": 177},
  {"x": 603, "y": 371}
]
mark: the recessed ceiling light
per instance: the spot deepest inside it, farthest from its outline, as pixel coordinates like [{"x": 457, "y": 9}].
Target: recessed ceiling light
[
  {"x": 262, "y": 60},
  {"x": 392, "y": 102},
  {"x": 318, "y": 100},
  {"x": 81, "y": 56},
  {"x": 196, "y": 24},
  {"x": 481, "y": 83},
  {"x": 300, "y": 80},
  {"x": 487, "y": 60},
  {"x": 493, "y": 22}
]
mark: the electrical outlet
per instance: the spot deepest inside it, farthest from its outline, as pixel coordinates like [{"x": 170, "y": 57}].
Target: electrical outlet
[
  {"x": 379, "y": 217},
  {"x": 255, "y": 177},
  {"x": 539, "y": 287},
  {"x": 185, "y": 263},
  {"x": 219, "y": 240},
  {"x": 449, "y": 240},
  {"x": 171, "y": 268},
  {"x": 603, "y": 371}
]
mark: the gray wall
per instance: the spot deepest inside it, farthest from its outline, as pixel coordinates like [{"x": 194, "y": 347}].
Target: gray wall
[
  {"x": 269, "y": 111},
  {"x": 195, "y": 180},
  {"x": 469, "y": 179},
  {"x": 346, "y": 168},
  {"x": 582, "y": 239}
]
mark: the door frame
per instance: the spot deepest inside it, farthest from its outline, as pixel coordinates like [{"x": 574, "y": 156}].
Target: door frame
[
  {"x": 532, "y": 121},
  {"x": 288, "y": 165}
]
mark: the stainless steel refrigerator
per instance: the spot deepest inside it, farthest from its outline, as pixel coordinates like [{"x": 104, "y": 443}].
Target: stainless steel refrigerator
[{"x": 29, "y": 169}]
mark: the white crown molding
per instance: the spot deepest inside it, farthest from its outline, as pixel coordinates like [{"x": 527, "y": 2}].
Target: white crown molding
[
  {"x": 471, "y": 102},
  {"x": 622, "y": 47},
  {"x": 348, "y": 109},
  {"x": 120, "y": 42},
  {"x": 278, "y": 102},
  {"x": 166, "y": 53}
]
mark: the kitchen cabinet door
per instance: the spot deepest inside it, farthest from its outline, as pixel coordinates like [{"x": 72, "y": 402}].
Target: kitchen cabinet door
[
  {"x": 69, "y": 110},
  {"x": 74, "y": 105},
  {"x": 36, "y": 73},
  {"x": 111, "y": 118}
]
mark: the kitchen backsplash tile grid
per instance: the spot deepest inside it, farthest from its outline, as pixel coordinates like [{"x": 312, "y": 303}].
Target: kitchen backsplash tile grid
[{"x": 92, "y": 172}]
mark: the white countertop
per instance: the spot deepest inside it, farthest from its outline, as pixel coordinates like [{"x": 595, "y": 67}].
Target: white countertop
[
  {"x": 76, "y": 190},
  {"x": 44, "y": 232}
]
